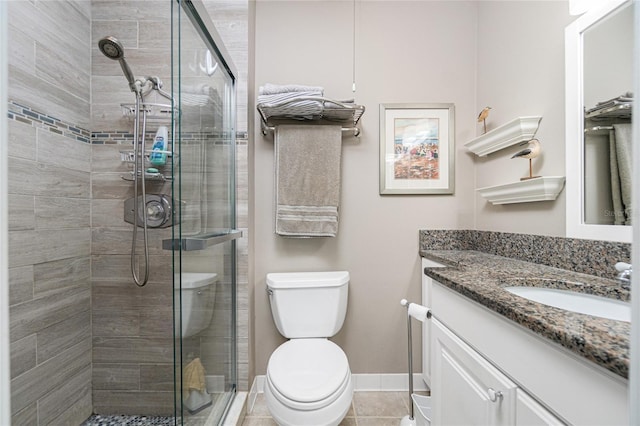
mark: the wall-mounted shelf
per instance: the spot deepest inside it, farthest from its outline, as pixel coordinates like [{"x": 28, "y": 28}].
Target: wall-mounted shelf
[
  {"x": 521, "y": 129},
  {"x": 153, "y": 111},
  {"x": 310, "y": 108},
  {"x": 128, "y": 157},
  {"x": 148, "y": 176},
  {"x": 616, "y": 112},
  {"x": 545, "y": 188}
]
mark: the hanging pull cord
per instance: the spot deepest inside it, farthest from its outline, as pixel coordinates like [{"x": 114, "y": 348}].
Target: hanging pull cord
[
  {"x": 137, "y": 173},
  {"x": 353, "y": 47}
]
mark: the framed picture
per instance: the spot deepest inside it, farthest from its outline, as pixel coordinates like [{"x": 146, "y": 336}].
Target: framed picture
[{"x": 417, "y": 148}]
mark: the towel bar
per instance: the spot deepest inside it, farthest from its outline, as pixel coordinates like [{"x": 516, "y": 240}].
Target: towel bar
[
  {"x": 355, "y": 130},
  {"x": 201, "y": 241}
]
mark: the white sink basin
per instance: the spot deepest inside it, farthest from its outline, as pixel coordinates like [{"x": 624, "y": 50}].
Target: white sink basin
[{"x": 576, "y": 302}]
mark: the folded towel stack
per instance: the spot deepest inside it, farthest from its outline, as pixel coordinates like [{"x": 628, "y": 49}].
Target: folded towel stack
[
  {"x": 624, "y": 99},
  {"x": 275, "y": 89},
  {"x": 338, "y": 112},
  {"x": 272, "y": 94}
]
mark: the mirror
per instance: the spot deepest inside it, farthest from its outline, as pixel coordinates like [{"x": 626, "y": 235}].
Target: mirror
[{"x": 599, "y": 58}]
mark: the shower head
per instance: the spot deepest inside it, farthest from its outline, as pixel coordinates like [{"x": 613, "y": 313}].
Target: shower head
[{"x": 112, "y": 49}]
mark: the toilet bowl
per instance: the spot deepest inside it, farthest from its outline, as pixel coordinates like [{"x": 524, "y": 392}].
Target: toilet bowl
[
  {"x": 297, "y": 394},
  {"x": 308, "y": 380}
]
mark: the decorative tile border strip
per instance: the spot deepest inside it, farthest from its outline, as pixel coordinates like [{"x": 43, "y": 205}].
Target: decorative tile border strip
[
  {"x": 591, "y": 257},
  {"x": 113, "y": 137},
  {"x": 110, "y": 137},
  {"x": 40, "y": 120},
  {"x": 27, "y": 115}
]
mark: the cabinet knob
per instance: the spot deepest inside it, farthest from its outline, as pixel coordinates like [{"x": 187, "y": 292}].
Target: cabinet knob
[{"x": 494, "y": 395}]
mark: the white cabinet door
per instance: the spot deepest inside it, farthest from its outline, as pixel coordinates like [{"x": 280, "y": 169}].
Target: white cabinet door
[
  {"x": 530, "y": 413},
  {"x": 427, "y": 283},
  {"x": 466, "y": 389}
]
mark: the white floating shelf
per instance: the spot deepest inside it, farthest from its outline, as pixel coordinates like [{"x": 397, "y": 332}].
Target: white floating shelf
[
  {"x": 544, "y": 188},
  {"x": 519, "y": 130}
]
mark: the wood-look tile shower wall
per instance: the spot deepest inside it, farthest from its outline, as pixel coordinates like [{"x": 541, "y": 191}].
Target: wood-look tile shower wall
[
  {"x": 49, "y": 212},
  {"x": 132, "y": 327}
]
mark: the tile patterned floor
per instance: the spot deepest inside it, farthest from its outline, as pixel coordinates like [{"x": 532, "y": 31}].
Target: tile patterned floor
[
  {"x": 101, "y": 420},
  {"x": 367, "y": 409}
]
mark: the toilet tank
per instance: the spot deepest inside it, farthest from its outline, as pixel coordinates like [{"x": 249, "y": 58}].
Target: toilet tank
[
  {"x": 195, "y": 300},
  {"x": 308, "y": 304}
]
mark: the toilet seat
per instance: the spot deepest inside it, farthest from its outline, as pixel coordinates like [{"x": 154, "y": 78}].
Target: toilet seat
[{"x": 308, "y": 374}]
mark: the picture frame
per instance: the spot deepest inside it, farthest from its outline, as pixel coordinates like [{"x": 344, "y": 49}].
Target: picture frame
[{"x": 417, "y": 148}]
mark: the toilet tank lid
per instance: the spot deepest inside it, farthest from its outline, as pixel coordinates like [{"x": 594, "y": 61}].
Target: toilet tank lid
[
  {"x": 307, "y": 279},
  {"x": 197, "y": 279}
]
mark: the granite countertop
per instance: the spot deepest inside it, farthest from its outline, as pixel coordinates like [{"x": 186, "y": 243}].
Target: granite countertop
[{"x": 481, "y": 277}]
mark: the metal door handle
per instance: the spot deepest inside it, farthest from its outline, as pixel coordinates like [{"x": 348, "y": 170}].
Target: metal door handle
[{"x": 494, "y": 396}]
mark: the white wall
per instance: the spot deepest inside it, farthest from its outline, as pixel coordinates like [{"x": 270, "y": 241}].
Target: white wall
[
  {"x": 521, "y": 73},
  {"x": 509, "y": 55},
  {"x": 415, "y": 52}
]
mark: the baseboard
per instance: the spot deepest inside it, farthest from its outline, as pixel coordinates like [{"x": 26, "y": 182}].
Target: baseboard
[
  {"x": 387, "y": 382},
  {"x": 361, "y": 382},
  {"x": 256, "y": 387}
]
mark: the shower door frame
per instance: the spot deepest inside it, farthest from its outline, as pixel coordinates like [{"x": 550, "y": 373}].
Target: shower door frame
[{"x": 197, "y": 14}]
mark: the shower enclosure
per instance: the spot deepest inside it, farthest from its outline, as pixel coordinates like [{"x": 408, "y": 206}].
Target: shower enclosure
[
  {"x": 186, "y": 204},
  {"x": 204, "y": 232},
  {"x": 198, "y": 169}
]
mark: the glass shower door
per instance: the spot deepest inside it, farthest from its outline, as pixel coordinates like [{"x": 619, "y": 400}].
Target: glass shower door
[{"x": 204, "y": 240}]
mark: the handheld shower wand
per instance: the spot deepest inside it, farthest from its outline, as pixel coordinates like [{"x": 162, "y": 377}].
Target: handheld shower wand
[{"x": 113, "y": 49}]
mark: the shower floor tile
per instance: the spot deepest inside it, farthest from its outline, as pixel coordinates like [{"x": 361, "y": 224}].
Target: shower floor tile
[{"x": 98, "y": 420}]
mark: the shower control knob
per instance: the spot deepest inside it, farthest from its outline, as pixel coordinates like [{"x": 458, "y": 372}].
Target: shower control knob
[
  {"x": 158, "y": 209},
  {"x": 494, "y": 395},
  {"x": 158, "y": 212},
  {"x": 155, "y": 211}
]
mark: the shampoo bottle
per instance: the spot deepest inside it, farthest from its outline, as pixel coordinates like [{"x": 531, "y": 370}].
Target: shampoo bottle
[{"x": 159, "y": 144}]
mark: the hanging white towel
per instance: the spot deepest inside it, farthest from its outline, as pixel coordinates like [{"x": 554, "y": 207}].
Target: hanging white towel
[
  {"x": 307, "y": 163},
  {"x": 621, "y": 172}
]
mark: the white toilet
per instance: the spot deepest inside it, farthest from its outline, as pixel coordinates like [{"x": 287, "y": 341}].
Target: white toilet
[
  {"x": 308, "y": 380},
  {"x": 197, "y": 298}
]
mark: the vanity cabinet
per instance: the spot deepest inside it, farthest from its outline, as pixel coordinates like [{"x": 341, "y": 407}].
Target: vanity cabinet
[
  {"x": 530, "y": 413},
  {"x": 426, "y": 326},
  {"x": 476, "y": 353},
  {"x": 467, "y": 390}
]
